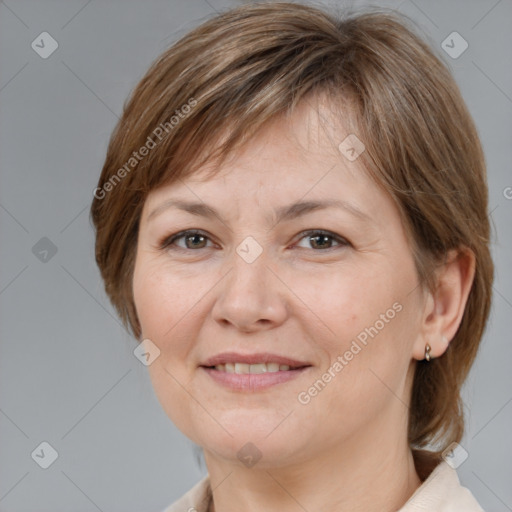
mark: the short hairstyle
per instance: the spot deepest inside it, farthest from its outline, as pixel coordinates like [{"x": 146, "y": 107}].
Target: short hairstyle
[{"x": 218, "y": 85}]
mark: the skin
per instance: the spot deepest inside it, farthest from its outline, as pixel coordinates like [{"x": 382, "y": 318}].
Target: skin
[{"x": 346, "y": 449}]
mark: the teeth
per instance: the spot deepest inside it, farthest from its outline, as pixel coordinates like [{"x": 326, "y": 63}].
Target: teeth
[
  {"x": 243, "y": 368},
  {"x": 258, "y": 368},
  {"x": 272, "y": 367}
]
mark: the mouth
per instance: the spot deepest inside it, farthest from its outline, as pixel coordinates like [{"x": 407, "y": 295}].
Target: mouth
[{"x": 254, "y": 371}]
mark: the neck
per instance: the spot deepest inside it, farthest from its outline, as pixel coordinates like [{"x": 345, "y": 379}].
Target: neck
[{"x": 358, "y": 475}]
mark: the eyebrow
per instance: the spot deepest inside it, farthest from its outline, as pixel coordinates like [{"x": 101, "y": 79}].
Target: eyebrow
[{"x": 283, "y": 213}]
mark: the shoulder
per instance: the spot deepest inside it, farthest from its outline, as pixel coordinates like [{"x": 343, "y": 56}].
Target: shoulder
[
  {"x": 196, "y": 499},
  {"x": 442, "y": 492}
]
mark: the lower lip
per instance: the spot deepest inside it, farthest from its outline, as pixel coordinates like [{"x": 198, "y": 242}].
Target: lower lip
[{"x": 253, "y": 381}]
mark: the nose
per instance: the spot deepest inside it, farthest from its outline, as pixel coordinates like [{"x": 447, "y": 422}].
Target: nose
[{"x": 250, "y": 298}]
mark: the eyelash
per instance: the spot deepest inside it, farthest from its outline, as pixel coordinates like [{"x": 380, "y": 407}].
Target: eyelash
[{"x": 167, "y": 242}]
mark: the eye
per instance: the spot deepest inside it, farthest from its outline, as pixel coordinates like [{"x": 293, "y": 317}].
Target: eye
[
  {"x": 323, "y": 240},
  {"x": 193, "y": 239}
]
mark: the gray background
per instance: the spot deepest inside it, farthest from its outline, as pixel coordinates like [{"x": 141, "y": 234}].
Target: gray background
[{"x": 68, "y": 375}]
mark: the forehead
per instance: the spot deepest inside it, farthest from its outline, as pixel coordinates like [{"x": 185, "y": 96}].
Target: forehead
[{"x": 292, "y": 153}]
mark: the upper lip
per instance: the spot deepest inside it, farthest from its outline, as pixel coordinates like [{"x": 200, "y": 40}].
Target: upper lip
[{"x": 260, "y": 357}]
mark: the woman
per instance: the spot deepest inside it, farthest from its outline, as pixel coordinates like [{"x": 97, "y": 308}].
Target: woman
[{"x": 292, "y": 220}]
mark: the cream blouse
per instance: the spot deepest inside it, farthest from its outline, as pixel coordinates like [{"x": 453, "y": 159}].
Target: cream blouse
[{"x": 440, "y": 492}]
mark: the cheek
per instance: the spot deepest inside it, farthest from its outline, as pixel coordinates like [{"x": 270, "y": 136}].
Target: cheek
[
  {"x": 153, "y": 300},
  {"x": 369, "y": 319},
  {"x": 368, "y": 353},
  {"x": 169, "y": 303},
  {"x": 158, "y": 295},
  {"x": 165, "y": 308},
  {"x": 347, "y": 302}
]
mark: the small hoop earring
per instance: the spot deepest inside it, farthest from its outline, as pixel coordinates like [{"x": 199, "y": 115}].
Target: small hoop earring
[{"x": 427, "y": 352}]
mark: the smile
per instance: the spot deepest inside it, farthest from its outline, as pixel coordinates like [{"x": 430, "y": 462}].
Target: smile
[
  {"x": 252, "y": 372},
  {"x": 258, "y": 368}
]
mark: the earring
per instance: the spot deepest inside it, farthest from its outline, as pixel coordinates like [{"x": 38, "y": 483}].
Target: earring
[{"x": 427, "y": 352}]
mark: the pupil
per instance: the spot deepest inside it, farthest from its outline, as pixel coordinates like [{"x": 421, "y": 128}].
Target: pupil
[
  {"x": 325, "y": 238},
  {"x": 194, "y": 238}
]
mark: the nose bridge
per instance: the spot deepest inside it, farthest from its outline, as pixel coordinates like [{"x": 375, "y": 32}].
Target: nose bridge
[
  {"x": 249, "y": 296},
  {"x": 250, "y": 250},
  {"x": 249, "y": 276}
]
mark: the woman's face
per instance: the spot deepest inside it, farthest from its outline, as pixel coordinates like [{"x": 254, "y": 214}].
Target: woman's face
[{"x": 330, "y": 291}]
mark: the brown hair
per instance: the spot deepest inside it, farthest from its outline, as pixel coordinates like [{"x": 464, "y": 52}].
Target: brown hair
[{"x": 228, "y": 77}]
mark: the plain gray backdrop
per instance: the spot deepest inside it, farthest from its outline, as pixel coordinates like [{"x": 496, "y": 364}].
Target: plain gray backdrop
[{"x": 68, "y": 375}]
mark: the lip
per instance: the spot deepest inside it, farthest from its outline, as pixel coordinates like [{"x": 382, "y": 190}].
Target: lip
[
  {"x": 260, "y": 357},
  {"x": 253, "y": 381}
]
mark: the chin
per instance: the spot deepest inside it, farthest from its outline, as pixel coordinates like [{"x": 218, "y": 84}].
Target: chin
[
  {"x": 265, "y": 452},
  {"x": 260, "y": 437}
]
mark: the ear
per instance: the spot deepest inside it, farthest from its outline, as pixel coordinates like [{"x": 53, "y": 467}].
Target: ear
[{"x": 444, "y": 307}]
